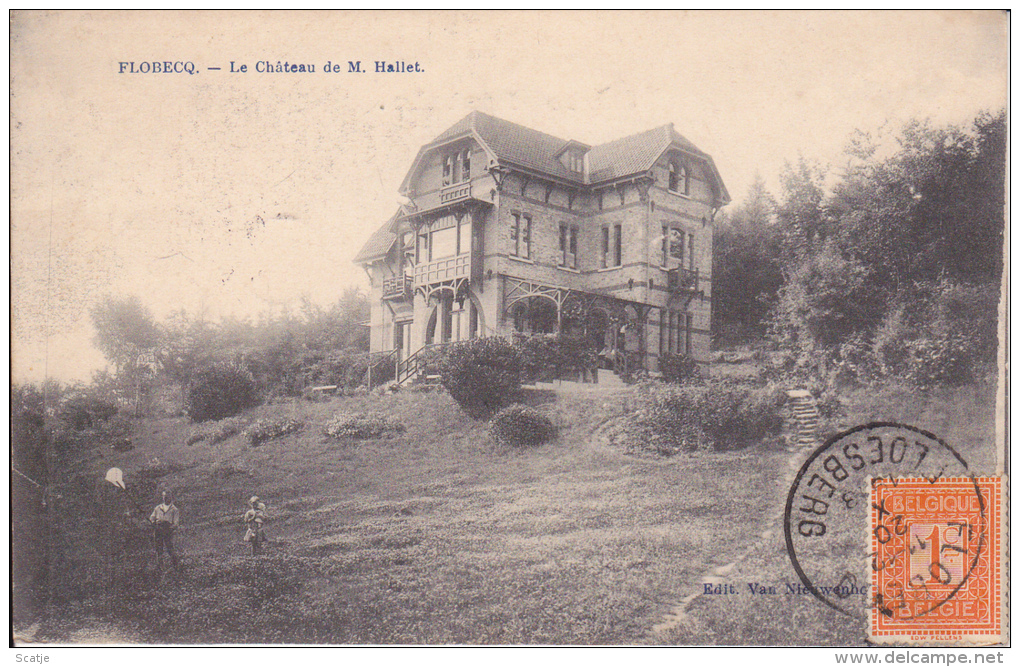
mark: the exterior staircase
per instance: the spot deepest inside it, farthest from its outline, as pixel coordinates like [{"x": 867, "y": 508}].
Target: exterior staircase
[
  {"x": 415, "y": 368},
  {"x": 805, "y": 416}
]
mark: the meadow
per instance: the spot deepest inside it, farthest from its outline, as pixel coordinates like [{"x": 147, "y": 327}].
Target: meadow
[{"x": 436, "y": 535}]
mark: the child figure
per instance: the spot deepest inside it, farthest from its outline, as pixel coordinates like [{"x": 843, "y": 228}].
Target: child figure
[{"x": 253, "y": 519}]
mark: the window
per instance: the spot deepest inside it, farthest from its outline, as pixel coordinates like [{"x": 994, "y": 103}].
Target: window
[
  {"x": 446, "y": 307},
  {"x": 447, "y": 170},
  {"x": 423, "y": 247},
  {"x": 689, "y": 322},
  {"x": 520, "y": 236},
  {"x": 665, "y": 246},
  {"x": 612, "y": 247},
  {"x": 679, "y": 178},
  {"x": 465, "y": 165},
  {"x": 676, "y": 244},
  {"x": 568, "y": 246},
  {"x": 464, "y": 236},
  {"x": 690, "y": 251},
  {"x": 575, "y": 162},
  {"x": 619, "y": 245},
  {"x": 444, "y": 243},
  {"x": 605, "y": 247},
  {"x": 667, "y": 331}
]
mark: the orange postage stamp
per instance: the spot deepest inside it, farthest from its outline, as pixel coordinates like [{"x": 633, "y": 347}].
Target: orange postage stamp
[{"x": 935, "y": 560}]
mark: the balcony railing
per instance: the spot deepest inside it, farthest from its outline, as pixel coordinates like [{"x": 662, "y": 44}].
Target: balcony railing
[
  {"x": 455, "y": 192},
  {"x": 682, "y": 280},
  {"x": 442, "y": 269},
  {"x": 397, "y": 288}
]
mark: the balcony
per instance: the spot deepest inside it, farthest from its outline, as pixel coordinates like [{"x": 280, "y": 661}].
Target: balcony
[
  {"x": 440, "y": 270},
  {"x": 397, "y": 289},
  {"x": 455, "y": 192},
  {"x": 682, "y": 281}
]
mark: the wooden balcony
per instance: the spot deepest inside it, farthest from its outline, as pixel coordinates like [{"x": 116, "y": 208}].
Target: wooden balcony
[
  {"x": 397, "y": 288},
  {"x": 440, "y": 270},
  {"x": 455, "y": 192},
  {"x": 682, "y": 281}
]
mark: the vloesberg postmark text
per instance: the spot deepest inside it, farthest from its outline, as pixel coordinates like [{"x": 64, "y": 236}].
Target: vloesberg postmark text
[{"x": 828, "y": 509}]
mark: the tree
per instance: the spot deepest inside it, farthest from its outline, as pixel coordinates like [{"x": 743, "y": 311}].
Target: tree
[
  {"x": 932, "y": 209},
  {"x": 913, "y": 225},
  {"x": 746, "y": 271},
  {"x": 124, "y": 328},
  {"x": 801, "y": 215}
]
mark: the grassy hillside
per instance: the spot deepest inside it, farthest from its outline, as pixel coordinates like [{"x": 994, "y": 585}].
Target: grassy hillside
[{"x": 432, "y": 535}]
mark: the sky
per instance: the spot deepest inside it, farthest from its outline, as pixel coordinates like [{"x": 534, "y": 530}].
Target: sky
[{"x": 234, "y": 193}]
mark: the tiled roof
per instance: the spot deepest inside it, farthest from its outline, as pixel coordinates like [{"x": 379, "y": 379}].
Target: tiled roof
[
  {"x": 536, "y": 150},
  {"x": 635, "y": 153},
  {"x": 514, "y": 143},
  {"x": 377, "y": 245}
]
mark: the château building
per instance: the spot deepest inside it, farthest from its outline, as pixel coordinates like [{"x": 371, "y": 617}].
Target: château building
[{"x": 507, "y": 229}]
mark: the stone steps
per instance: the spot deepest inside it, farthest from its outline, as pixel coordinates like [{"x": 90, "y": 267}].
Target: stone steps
[{"x": 805, "y": 415}]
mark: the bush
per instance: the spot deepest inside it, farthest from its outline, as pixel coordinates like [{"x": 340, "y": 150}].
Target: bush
[
  {"x": 520, "y": 426},
  {"x": 720, "y": 416},
  {"x": 220, "y": 391},
  {"x": 268, "y": 429},
  {"x": 361, "y": 425},
  {"x": 547, "y": 357},
  {"x": 679, "y": 369},
  {"x": 215, "y": 433},
  {"x": 481, "y": 375},
  {"x": 344, "y": 368},
  {"x": 85, "y": 411}
]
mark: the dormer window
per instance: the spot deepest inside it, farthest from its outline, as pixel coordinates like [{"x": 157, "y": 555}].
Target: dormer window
[
  {"x": 571, "y": 156},
  {"x": 457, "y": 167},
  {"x": 679, "y": 179}
]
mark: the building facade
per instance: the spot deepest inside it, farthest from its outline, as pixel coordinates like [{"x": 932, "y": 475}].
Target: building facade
[{"x": 508, "y": 229}]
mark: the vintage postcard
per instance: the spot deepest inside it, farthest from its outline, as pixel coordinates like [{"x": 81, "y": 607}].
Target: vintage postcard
[{"x": 510, "y": 328}]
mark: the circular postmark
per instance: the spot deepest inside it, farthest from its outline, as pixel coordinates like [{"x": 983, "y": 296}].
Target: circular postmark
[{"x": 834, "y": 546}]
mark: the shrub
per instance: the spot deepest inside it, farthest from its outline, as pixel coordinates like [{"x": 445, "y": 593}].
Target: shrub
[
  {"x": 481, "y": 374},
  {"x": 220, "y": 391},
  {"x": 215, "y": 433},
  {"x": 520, "y": 426},
  {"x": 719, "y": 416},
  {"x": 85, "y": 411},
  {"x": 679, "y": 369},
  {"x": 268, "y": 429},
  {"x": 344, "y": 368},
  {"x": 547, "y": 357},
  {"x": 361, "y": 425}
]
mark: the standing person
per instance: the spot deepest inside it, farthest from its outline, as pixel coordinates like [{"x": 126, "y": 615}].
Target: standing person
[
  {"x": 164, "y": 519},
  {"x": 254, "y": 518}
]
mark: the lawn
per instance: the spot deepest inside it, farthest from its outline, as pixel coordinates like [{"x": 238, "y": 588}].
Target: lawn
[
  {"x": 434, "y": 535},
  {"x": 962, "y": 417}
]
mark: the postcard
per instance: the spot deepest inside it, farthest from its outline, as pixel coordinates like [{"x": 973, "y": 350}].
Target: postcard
[{"x": 462, "y": 328}]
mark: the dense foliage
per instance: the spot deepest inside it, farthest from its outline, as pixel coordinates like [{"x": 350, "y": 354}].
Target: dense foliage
[
  {"x": 746, "y": 268},
  {"x": 482, "y": 375},
  {"x": 890, "y": 267},
  {"x": 679, "y": 368},
  {"x": 268, "y": 429},
  {"x": 717, "y": 416},
  {"x": 361, "y": 425},
  {"x": 285, "y": 352},
  {"x": 220, "y": 391},
  {"x": 548, "y": 357},
  {"x": 521, "y": 426}
]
